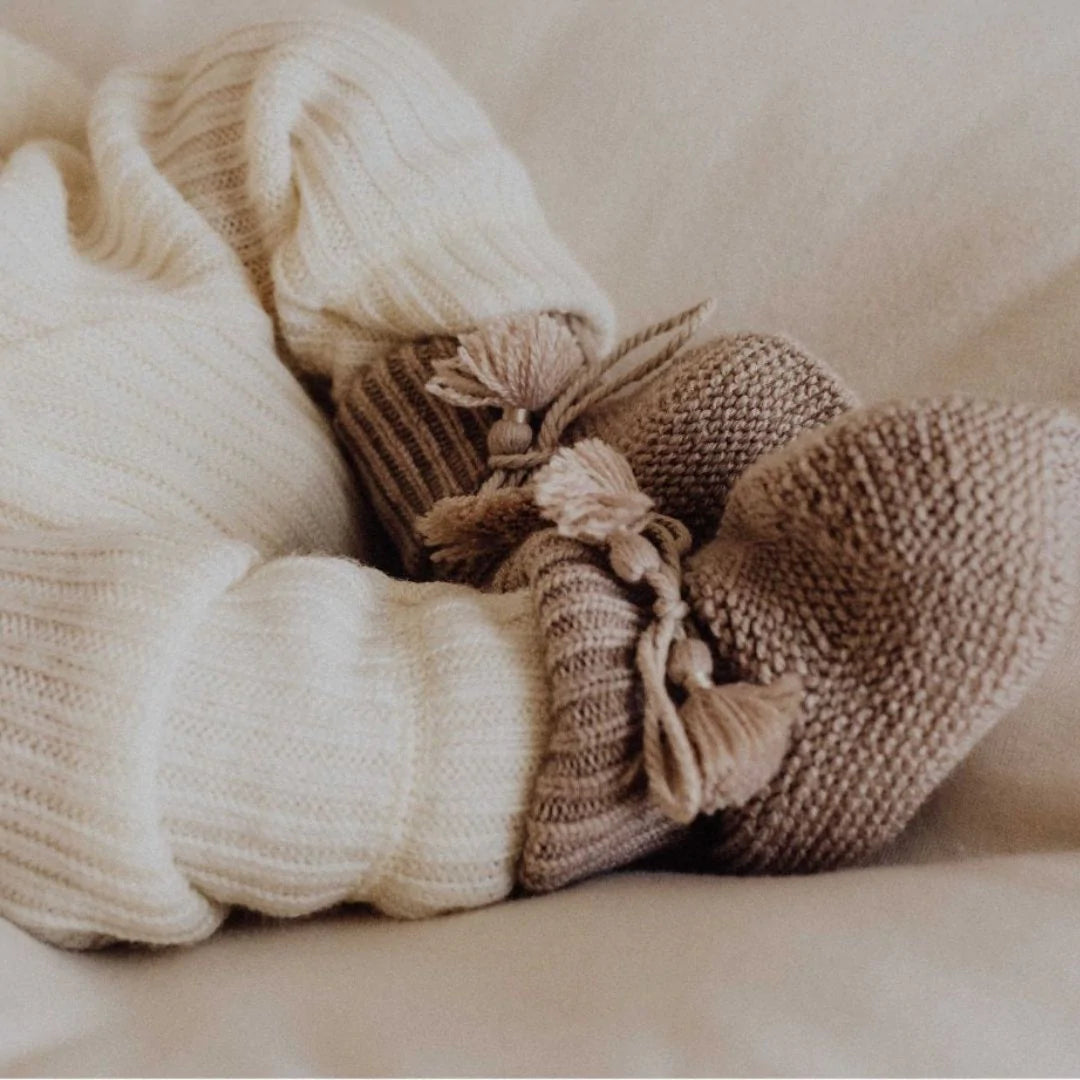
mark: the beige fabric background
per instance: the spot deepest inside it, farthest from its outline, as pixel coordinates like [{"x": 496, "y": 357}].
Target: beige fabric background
[{"x": 896, "y": 185}]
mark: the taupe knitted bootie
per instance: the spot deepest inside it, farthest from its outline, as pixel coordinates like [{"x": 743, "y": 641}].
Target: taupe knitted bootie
[
  {"x": 438, "y": 419},
  {"x": 879, "y": 593},
  {"x": 792, "y": 727},
  {"x": 915, "y": 565}
]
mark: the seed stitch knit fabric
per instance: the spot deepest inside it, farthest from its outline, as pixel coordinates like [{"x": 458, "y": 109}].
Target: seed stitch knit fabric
[{"x": 205, "y": 699}]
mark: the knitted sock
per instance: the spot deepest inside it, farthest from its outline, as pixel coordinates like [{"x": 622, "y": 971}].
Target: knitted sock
[{"x": 693, "y": 431}]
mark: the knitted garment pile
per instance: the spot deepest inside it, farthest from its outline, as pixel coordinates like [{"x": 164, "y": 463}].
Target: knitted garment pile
[{"x": 205, "y": 698}]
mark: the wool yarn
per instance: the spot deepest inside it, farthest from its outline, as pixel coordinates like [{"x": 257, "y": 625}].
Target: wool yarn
[
  {"x": 916, "y": 565},
  {"x": 206, "y": 699},
  {"x": 688, "y": 433},
  {"x": 785, "y": 757},
  {"x": 912, "y": 565}
]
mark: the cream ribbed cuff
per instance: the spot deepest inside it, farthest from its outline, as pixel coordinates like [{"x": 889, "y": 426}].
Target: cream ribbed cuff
[
  {"x": 184, "y": 731},
  {"x": 365, "y": 192}
]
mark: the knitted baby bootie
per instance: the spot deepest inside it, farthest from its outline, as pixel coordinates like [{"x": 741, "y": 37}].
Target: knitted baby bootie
[
  {"x": 915, "y": 565},
  {"x": 436, "y": 421},
  {"x": 412, "y": 447},
  {"x": 669, "y": 735},
  {"x": 879, "y": 593}
]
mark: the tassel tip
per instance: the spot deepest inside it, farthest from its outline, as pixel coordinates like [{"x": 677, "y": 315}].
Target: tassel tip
[{"x": 741, "y": 733}]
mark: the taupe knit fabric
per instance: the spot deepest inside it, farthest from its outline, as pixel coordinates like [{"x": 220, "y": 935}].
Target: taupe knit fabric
[
  {"x": 687, "y": 434},
  {"x": 716, "y": 409},
  {"x": 410, "y": 448},
  {"x": 914, "y": 564},
  {"x": 590, "y": 810}
]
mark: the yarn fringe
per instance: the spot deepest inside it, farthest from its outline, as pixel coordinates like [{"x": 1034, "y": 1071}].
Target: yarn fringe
[
  {"x": 511, "y": 363},
  {"x": 591, "y": 494},
  {"x": 463, "y": 528},
  {"x": 740, "y": 733}
]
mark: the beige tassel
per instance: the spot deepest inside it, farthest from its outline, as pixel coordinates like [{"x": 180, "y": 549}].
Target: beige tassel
[
  {"x": 511, "y": 364},
  {"x": 589, "y": 491},
  {"x": 724, "y": 743},
  {"x": 461, "y": 528},
  {"x": 739, "y": 731}
]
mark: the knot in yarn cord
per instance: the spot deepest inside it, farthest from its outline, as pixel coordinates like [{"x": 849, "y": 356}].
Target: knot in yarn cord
[
  {"x": 527, "y": 365},
  {"x": 724, "y": 743},
  {"x": 532, "y": 365}
]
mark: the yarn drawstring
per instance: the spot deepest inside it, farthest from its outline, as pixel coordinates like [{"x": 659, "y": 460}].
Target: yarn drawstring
[
  {"x": 725, "y": 742},
  {"x": 525, "y": 366}
]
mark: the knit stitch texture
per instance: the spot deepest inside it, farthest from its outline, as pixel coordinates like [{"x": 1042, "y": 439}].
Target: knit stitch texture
[
  {"x": 205, "y": 699},
  {"x": 873, "y": 581},
  {"x": 914, "y": 565},
  {"x": 687, "y": 435}
]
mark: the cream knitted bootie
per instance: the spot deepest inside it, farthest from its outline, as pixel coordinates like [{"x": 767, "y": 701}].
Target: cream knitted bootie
[
  {"x": 880, "y": 592},
  {"x": 423, "y": 424}
]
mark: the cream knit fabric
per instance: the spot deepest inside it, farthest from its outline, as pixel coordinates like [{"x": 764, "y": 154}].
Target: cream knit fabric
[
  {"x": 204, "y": 699},
  {"x": 368, "y": 197},
  {"x": 184, "y": 729}
]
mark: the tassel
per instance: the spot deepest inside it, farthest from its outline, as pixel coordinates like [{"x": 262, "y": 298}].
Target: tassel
[
  {"x": 724, "y": 743},
  {"x": 590, "y": 493},
  {"x": 461, "y": 528},
  {"x": 513, "y": 364},
  {"x": 740, "y": 731}
]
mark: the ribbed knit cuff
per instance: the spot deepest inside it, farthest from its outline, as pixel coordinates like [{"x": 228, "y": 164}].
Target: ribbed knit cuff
[
  {"x": 92, "y": 632},
  {"x": 368, "y": 196},
  {"x": 590, "y": 810},
  {"x": 315, "y": 757},
  {"x": 180, "y": 732}
]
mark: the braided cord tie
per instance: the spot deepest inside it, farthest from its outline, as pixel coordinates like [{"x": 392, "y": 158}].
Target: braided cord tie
[
  {"x": 596, "y": 384},
  {"x": 534, "y": 365}
]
